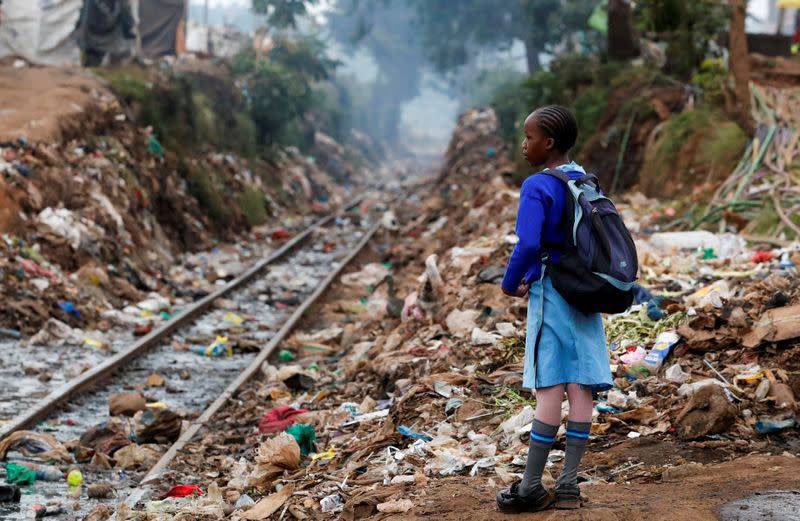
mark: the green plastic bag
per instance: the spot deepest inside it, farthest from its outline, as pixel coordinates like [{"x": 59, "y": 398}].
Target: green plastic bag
[
  {"x": 19, "y": 475},
  {"x": 305, "y": 436},
  {"x": 154, "y": 147}
]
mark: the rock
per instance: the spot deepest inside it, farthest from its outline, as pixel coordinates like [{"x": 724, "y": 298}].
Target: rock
[
  {"x": 155, "y": 380},
  {"x": 682, "y": 471},
  {"x": 100, "y": 491},
  {"x": 491, "y": 275},
  {"x": 707, "y": 412},
  {"x": 126, "y": 404},
  {"x": 157, "y": 426}
]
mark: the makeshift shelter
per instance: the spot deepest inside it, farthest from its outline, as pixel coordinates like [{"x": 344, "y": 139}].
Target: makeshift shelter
[
  {"x": 44, "y": 33},
  {"x": 40, "y": 32},
  {"x": 160, "y": 23}
]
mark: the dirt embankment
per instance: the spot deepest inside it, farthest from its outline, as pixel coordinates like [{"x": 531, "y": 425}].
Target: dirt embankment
[
  {"x": 38, "y": 103},
  {"x": 86, "y": 186}
]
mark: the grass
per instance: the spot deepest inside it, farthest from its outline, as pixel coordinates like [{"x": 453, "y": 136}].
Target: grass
[
  {"x": 201, "y": 186},
  {"x": 252, "y": 204}
]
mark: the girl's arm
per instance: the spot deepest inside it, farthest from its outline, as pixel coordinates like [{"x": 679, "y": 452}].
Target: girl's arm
[{"x": 530, "y": 220}]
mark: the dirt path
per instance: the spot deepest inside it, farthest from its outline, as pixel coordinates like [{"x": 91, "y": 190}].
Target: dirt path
[
  {"x": 695, "y": 495},
  {"x": 37, "y": 101}
]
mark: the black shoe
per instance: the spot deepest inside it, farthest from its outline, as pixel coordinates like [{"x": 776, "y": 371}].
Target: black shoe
[
  {"x": 568, "y": 498},
  {"x": 509, "y": 500}
]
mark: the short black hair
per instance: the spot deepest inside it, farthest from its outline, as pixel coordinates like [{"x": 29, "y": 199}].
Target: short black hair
[{"x": 559, "y": 123}]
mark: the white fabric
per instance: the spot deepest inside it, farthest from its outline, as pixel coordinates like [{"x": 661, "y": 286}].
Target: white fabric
[{"x": 40, "y": 31}]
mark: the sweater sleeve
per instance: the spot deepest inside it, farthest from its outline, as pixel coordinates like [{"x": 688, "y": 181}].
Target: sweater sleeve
[{"x": 533, "y": 204}]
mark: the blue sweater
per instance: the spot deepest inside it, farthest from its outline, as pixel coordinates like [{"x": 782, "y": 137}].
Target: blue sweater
[{"x": 542, "y": 201}]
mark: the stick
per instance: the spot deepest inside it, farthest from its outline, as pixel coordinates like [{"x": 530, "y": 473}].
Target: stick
[{"x": 779, "y": 210}]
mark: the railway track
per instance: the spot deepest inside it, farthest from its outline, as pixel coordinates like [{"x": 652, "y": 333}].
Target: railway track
[{"x": 272, "y": 295}]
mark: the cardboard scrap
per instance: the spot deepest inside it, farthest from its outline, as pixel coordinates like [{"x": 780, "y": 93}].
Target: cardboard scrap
[
  {"x": 268, "y": 505},
  {"x": 775, "y": 325}
]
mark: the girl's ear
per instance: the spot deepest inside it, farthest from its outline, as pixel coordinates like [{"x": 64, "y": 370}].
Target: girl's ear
[{"x": 549, "y": 143}]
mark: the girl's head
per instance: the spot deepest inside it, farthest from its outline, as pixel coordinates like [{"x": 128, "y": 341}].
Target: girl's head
[{"x": 550, "y": 132}]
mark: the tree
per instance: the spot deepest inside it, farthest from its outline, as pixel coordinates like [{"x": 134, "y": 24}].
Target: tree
[
  {"x": 283, "y": 13},
  {"x": 686, "y": 26},
  {"x": 621, "y": 42},
  {"x": 740, "y": 65},
  {"x": 452, "y": 32},
  {"x": 384, "y": 29}
]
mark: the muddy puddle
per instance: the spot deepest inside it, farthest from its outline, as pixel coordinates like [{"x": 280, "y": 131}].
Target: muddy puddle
[{"x": 775, "y": 505}]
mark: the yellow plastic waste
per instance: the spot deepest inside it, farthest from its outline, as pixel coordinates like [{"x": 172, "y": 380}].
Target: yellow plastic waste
[
  {"x": 233, "y": 318},
  {"x": 327, "y": 455},
  {"x": 157, "y": 405},
  {"x": 89, "y": 342}
]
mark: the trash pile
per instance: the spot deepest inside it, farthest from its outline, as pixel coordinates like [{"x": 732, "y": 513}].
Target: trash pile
[
  {"x": 99, "y": 219},
  {"x": 411, "y": 369}
]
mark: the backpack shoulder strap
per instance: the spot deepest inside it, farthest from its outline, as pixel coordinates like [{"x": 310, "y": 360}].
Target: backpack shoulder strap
[
  {"x": 558, "y": 174},
  {"x": 589, "y": 178}
]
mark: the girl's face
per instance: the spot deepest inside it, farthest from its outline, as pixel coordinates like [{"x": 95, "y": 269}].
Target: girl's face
[{"x": 537, "y": 146}]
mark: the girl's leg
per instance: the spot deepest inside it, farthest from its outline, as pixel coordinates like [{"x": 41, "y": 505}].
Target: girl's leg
[
  {"x": 543, "y": 435},
  {"x": 578, "y": 427}
]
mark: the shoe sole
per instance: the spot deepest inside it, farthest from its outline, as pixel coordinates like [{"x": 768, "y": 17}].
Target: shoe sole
[
  {"x": 568, "y": 504},
  {"x": 523, "y": 511}
]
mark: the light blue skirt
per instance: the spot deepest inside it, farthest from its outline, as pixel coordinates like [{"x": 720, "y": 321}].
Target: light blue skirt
[{"x": 571, "y": 346}]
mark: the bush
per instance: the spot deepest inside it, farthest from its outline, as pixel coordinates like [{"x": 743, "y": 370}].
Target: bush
[{"x": 280, "y": 89}]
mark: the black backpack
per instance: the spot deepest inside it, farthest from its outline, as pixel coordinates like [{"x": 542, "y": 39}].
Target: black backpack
[{"x": 598, "y": 266}]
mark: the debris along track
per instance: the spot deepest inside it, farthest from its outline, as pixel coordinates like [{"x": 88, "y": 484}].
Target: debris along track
[{"x": 165, "y": 370}]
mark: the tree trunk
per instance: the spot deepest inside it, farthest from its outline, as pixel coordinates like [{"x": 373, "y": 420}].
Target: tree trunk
[
  {"x": 739, "y": 63},
  {"x": 621, "y": 42},
  {"x": 532, "y": 54}
]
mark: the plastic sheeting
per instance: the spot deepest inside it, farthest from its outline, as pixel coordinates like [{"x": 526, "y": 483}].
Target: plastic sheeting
[{"x": 41, "y": 32}]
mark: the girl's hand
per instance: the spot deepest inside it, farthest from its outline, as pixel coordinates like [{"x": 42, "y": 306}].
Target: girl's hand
[{"x": 520, "y": 292}]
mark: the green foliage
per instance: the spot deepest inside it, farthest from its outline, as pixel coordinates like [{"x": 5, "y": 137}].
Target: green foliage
[
  {"x": 686, "y": 26},
  {"x": 453, "y": 31},
  {"x": 711, "y": 78},
  {"x": 185, "y": 110},
  {"x": 201, "y": 186},
  {"x": 486, "y": 84},
  {"x": 282, "y": 13},
  {"x": 574, "y": 81},
  {"x": 677, "y": 131},
  {"x": 715, "y": 143},
  {"x": 253, "y": 206},
  {"x": 280, "y": 88}
]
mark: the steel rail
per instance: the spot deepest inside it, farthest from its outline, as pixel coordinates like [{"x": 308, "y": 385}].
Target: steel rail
[
  {"x": 98, "y": 374},
  {"x": 156, "y": 471}
]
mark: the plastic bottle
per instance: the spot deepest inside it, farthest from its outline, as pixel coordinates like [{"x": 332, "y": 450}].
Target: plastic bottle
[
  {"x": 46, "y": 472},
  {"x": 41, "y": 511}
]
